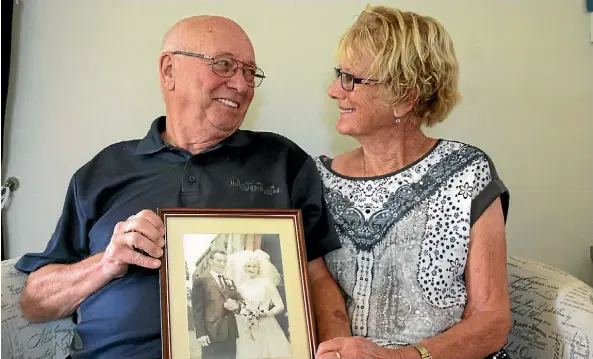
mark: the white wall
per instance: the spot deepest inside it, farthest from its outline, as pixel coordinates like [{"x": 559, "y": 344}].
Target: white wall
[{"x": 85, "y": 75}]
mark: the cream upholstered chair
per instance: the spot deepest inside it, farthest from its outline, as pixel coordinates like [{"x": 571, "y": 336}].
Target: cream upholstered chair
[
  {"x": 552, "y": 315},
  {"x": 552, "y": 312},
  {"x": 22, "y": 339}
]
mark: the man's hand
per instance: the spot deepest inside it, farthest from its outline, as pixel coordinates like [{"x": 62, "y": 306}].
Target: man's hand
[
  {"x": 204, "y": 341},
  {"x": 231, "y": 305},
  {"x": 138, "y": 240}
]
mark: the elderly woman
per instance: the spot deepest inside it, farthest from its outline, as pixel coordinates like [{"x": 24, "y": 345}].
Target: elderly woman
[{"x": 421, "y": 220}]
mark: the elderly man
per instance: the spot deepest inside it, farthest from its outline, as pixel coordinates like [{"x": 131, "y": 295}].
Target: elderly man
[{"x": 101, "y": 264}]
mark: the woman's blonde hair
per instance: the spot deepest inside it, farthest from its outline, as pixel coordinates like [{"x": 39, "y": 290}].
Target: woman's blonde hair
[{"x": 413, "y": 56}]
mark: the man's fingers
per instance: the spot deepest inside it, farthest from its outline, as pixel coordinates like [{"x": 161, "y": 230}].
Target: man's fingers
[
  {"x": 204, "y": 340},
  {"x": 119, "y": 227},
  {"x": 141, "y": 260},
  {"x": 128, "y": 255},
  {"x": 138, "y": 242},
  {"x": 161, "y": 242},
  {"x": 145, "y": 227},
  {"x": 153, "y": 218}
]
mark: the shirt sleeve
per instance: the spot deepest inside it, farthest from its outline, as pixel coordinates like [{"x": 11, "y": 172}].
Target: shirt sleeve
[
  {"x": 318, "y": 226},
  {"x": 487, "y": 188},
  {"x": 69, "y": 242}
]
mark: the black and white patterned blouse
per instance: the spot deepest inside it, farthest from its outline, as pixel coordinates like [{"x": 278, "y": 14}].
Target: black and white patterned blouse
[{"x": 405, "y": 239}]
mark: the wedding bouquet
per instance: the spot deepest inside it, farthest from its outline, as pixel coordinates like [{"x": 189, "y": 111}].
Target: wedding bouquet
[{"x": 253, "y": 318}]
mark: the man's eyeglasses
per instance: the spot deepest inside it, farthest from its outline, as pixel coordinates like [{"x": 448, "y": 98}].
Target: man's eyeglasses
[
  {"x": 348, "y": 80},
  {"x": 226, "y": 66}
]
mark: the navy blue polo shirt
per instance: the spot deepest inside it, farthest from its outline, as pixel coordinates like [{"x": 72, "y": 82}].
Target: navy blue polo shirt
[{"x": 122, "y": 319}]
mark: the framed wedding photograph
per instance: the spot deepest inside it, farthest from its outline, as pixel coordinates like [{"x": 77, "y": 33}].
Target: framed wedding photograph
[{"x": 234, "y": 284}]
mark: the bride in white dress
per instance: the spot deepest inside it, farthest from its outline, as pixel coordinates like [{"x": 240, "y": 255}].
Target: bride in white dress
[{"x": 260, "y": 335}]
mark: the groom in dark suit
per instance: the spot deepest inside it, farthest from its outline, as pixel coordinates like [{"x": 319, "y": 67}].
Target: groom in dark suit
[{"x": 214, "y": 299}]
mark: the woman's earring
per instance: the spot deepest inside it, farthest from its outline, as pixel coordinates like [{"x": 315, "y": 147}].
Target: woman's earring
[{"x": 398, "y": 120}]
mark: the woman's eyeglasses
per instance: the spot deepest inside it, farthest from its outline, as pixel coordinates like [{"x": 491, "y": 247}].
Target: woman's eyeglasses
[{"x": 348, "y": 80}]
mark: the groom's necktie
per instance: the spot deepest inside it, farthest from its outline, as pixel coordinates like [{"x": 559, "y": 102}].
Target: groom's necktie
[{"x": 220, "y": 281}]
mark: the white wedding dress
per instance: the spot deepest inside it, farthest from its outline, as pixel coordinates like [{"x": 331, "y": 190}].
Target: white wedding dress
[{"x": 266, "y": 338}]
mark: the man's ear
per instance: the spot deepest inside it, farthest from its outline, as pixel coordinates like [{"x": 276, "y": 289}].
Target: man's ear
[{"x": 166, "y": 71}]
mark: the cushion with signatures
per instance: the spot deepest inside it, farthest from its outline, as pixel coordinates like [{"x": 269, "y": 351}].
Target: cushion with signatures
[
  {"x": 552, "y": 312},
  {"x": 23, "y": 339}
]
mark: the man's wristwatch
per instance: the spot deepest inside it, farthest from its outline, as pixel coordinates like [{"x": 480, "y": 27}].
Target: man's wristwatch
[{"x": 422, "y": 350}]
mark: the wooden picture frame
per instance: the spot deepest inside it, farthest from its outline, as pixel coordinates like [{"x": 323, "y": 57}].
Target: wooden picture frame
[{"x": 261, "y": 302}]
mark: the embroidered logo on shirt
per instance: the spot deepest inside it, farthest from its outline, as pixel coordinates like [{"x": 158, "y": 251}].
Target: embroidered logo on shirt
[{"x": 255, "y": 186}]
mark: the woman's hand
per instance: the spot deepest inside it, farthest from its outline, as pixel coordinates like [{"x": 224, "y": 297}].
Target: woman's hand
[{"x": 353, "y": 348}]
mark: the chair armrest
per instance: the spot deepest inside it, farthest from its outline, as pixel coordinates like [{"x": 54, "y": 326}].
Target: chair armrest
[
  {"x": 552, "y": 312},
  {"x": 21, "y": 338}
]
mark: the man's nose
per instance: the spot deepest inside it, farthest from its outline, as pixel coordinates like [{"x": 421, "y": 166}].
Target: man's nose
[{"x": 238, "y": 82}]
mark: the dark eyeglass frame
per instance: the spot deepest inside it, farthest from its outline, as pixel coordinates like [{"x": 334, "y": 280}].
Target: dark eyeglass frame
[
  {"x": 244, "y": 67},
  {"x": 355, "y": 80}
]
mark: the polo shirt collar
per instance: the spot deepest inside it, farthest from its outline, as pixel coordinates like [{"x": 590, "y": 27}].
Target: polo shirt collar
[{"x": 153, "y": 141}]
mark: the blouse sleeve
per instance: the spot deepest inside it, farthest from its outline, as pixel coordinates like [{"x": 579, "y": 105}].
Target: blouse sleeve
[{"x": 486, "y": 189}]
